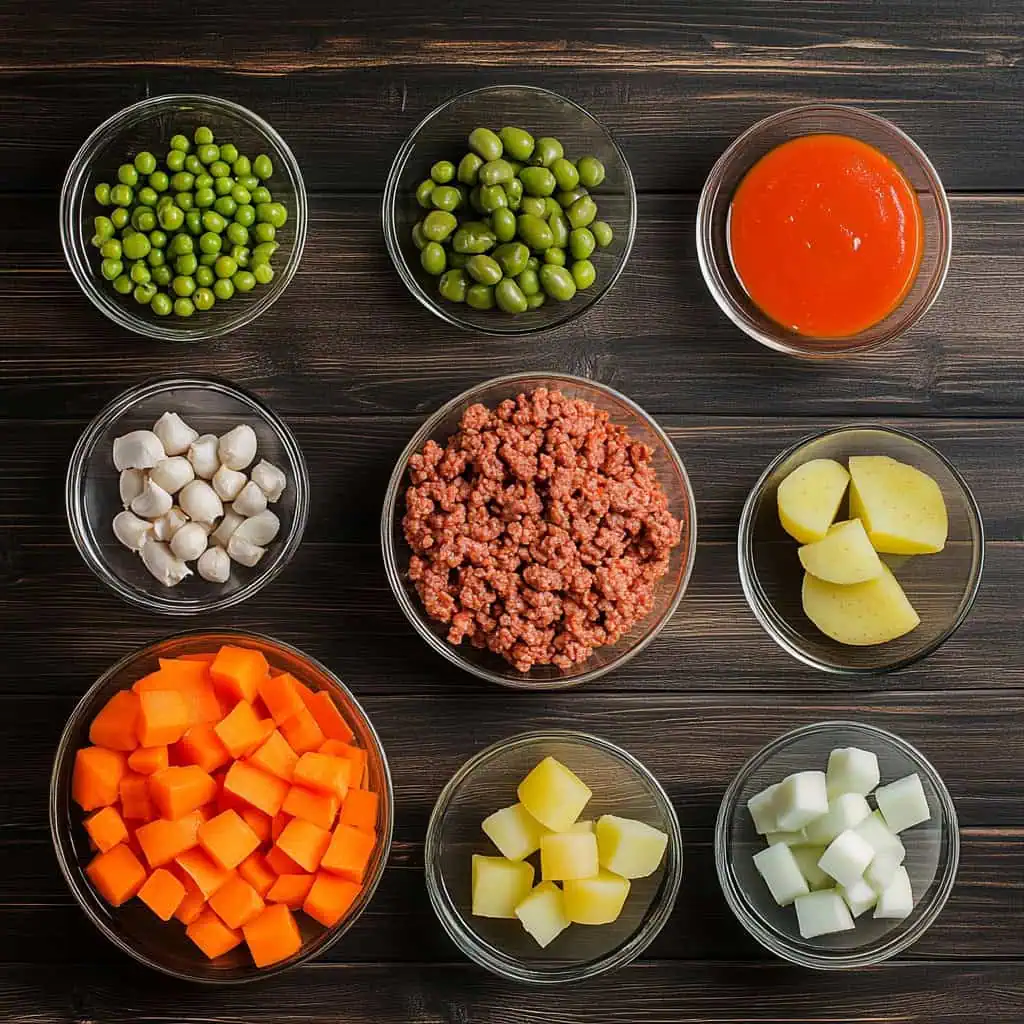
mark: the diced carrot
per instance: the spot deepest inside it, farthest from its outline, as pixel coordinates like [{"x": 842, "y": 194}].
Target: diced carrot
[
  {"x": 146, "y": 760},
  {"x": 236, "y": 902},
  {"x": 302, "y": 732},
  {"x": 257, "y": 788},
  {"x": 328, "y": 717},
  {"x": 304, "y": 842},
  {"x": 330, "y": 898},
  {"x": 202, "y": 746},
  {"x": 278, "y": 822},
  {"x": 186, "y": 670},
  {"x": 162, "y": 892},
  {"x": 181, "y": 788},
  {"x": 135, "y": 800},
  {"x": 117, "y": 874},
  {"x": 96, "y": 777},
  {"x": 238, "y": 671},
  {"x": 163, "y": 717},
  {"x": 273, "y": 936},
  {"x": 212, "y": 935},
  {"x": 106, "y": 829},
  {"x": 240, "y": 730},
  {"x": 206, "y": 659},
  {"x": 319, "y": 808},
  {"x": 198, "y": 693},
  {"x": 258, "y": 873},
  {"x": 227, "y": 839},
  {"x": 324, "y": 773},
  {"x": 290, "y": 890},
  {"x": 205, "y": 872},
  {"x": 351, "y": 753},
  {"x": 280, "y": 696},
  {"x": 116, "y": 727},
  {"x": 193, "y": 903},
  {"x": 162, "y": 840},
  {"x": 257, "y": 821},
  {"x": 349, "y": 852},
  {"x": 275, "y": 756},
  {"x": 360, "y": 809},
  {"x": 336, "y": 748},
  {"x": 281, "y": 864}
]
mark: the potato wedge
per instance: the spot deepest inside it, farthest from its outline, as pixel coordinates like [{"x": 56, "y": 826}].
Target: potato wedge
[
  {"x": 809, "y": 499},
  {"x": 844, "y": 555}
]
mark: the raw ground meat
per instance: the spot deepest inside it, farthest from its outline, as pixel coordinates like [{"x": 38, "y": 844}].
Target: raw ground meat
[{"x": 539, "y": 531}]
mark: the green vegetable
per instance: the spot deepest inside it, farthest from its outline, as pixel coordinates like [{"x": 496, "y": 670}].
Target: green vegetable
[
  {"x": 104, "y": 229},
  {"x": 518, "y": 142},
  {"x": 537, "y": 181},
  {"x": 183, "y": 286},
  {"x": 262, "y": 167},
  {"x": 205, "y": 276},
  {"x": 480, "y": 296},
  {"x": 581, "y": 243},
  {"x": 223, "y": 288},
  {"x": 102, "y": 193},
  {"x": 496, "y": 172},
  {"x": 207, "y": 155},
  {"x": 263, "y": 272},
  {"x": 485, "y": 144},
  {"x": 136, "y": 247},
  {"x": 128, "y": 175},
  {"x": 503, "y": 224},
  {"x": 509, "y": 297},
  {"x": 583, "y": 273},
  {"x": 582, "y": 212},
  {"x": 144, "y": 293},
  {"x": 111, "y": 268},
  {"x": 492, "y": 197},
  {"x": 591, "y": 171},
  {"x": 555, "y": 255},
  {"x": 565, "y": 174},
  {"x": 244, "y": 281},
  {"x": 122, "y": 195},
  {"x": 225, "y": 267},
  {"x": 184, "y": 307},
  {"x": 119, "y": 217},
  {"x": 432, "y": 258},
  {"x": 175, "y": 160},
  {"x": 181, "y": 143},
  {"x": 202, "y": 136},
  {"x": 529, "y": 282},
  {"x": 469, "y": 168},
  {"x": 473, "y": 237},
  {"x": 186, "y": 265},
  {"x": 161, "y": 304},
  {"x": 514, "y": 191},
  {"x": 568, "y": 198},
  {"x": 445, "y": 197},
  {"x": 512, "y": 258},
  {"x": 557, "y": 282},
  {"x": 453, "y": 285},
  {"x": 203, "y": 299},
  {"x": 442, "y": 172},
  {"x": 123, "y": 284},
  {"x": 546, "y": 152},
  {"x": 536, "y": 301},
  {"x": 534, "y": 232},
  {"x": 484, "y": 269},
  {"x": 438, "y": 225},
  {"x": 140, "y": 273},
  {"x": 602, "y": 233},
  {"x": 559, "y": 229}
]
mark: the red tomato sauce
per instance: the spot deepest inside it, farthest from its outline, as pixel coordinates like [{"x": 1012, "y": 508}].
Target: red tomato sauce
[{"x": 825, "y": 234}]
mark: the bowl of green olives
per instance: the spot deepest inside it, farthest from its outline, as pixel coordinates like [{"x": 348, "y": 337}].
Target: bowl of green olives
[
  {"x": 509, "y": 210},
  {"x": 183, "y": 217}
]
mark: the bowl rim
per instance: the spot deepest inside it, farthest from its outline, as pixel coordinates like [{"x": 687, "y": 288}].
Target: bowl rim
[
  {"x": 764, "y": 610},
  {"x": 329, "y": 937},
  {"x": 441, "y": 310},
  {"x": 707, "y": 253},
  {"x": 412, "y": 610},
  {"x": 769, "y": 937},
  {"x": 657, "y": 915},
  {"x": 76, "y": 181},
  {"x": 106, "y": 418}
]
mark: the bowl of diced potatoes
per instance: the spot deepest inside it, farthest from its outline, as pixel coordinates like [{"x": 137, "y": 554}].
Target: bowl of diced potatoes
[
  {"x": 861, "y": 550},
  {"x": 553, "y": 856},
  {"x": 837, "y": 845}
]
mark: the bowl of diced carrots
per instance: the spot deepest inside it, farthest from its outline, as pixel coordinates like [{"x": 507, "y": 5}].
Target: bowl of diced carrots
[{"x": 221, "y": 806}]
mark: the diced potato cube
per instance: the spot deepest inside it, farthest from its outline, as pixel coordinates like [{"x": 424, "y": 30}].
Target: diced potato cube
[
  {"x": 883, "y": 842},
  {"x": 781, "y": 873},
  {"x": 787, "y": 838},
  {"x": 851, "y": 770},
  {"x": 566, "y": 855},
  {"x": 859, "y": 897},
  {"x": 882, "y": 870},
  {"x": 844, "y": 555},
  {"x": 897, "y": 901},
  {"x": 846, "y": 857},
  {"x": 514, "y": 832},
  {"x": 597, "y": 900},
  {"x": 807, "y": 858},
  {"x": 499, "y": 885},
  {"x": 629, "y": 848},
  {"x": 543, "y": 913},
  {"x": 903, "y": 803},
  {"x": 762, "y": 810},
  {"x": 822, "y": 913},
  {"x": 846, "y": 811},
  {"x": 800, "y": 799},
  {"x": 809, "y": 498},
  {"x": 553, "y": 794}
]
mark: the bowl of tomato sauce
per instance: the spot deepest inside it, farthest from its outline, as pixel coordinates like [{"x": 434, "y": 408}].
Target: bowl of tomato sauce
[{"x": 823, "y": 231}]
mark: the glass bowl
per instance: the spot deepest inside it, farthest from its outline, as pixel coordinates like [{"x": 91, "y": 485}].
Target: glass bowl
[
  {"x": 150, "y": 124},
  {"x": 92, "y": 497},
  {"x": 487, "y": 782},
  {"x": 713, "y": 226},
  {"x": 933, "y": 849},
  {"x": 442, "y": 135},
  {"x": 942, "y": 587},
  {"x": 669, "y": 591},
  {"x": 132, "y": 927}
]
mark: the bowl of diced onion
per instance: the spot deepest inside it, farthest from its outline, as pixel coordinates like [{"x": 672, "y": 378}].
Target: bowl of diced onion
[{"x": 837, "y": 845}]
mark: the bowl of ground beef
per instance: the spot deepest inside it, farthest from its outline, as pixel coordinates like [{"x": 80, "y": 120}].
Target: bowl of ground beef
[{"x": 539, "y": 530}]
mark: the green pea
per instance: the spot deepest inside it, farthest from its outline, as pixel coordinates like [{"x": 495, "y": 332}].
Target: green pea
[
  {"x": 225, "y": 206},
  {"x": 156, "y": 258},
  {"x": 143, "y": 219},
  {"x": 485, "y": 144},
  {"x": 122, "y": 284},
  {"x": 496, "y": 172},
  {"x": 242, "y": 167},
  {"x": 194, "y": 222},
  {"x": 570, "y": 197},
  {"x": 203, "y": 299},
  {"x": 272, "y": 213},
  {"x": 223, "y": 186},
  {"x": 264, "y": 232},
  {"x": 183, "y": 200},
  {"x": 184, "y": 307},
  {"x": 246, "y": 216},
  {"x": 175, "y": 160},
  {"x": 180, "y": 143},
  {"x": 581, "y": 243},
  {"x": 509, "y": 296},
  {"x": 203, "y": 135},
  {"x": 119, "y": 217},
  {"x": 122, "y": 195},
  {"x": 263, "y": 272},
  {"x": 243, "y": 281},
  {"x": 171, "y": 217},
  {"x": 240, "y": 195},
  {"x": 557, "y": 282},
  {"x": 492, "y": 197},
  {"x": 262, "y": 167},
  {"x": 136, "y": 247},
  {"x": 204, "y": 276},
  {"x": 438, "y": 225},
  {"x": 186, "y": 266},
  {"x": 473, "y": 237},
  {"x": 194, "y": 164},
  {"x": 240, "y": 254},
  {"x": 503, "y": 224},
  {"x": 582, "y": 212},
  {"x": 555, "y": 256},
  {"x": 161, "y": 304},
  {"x": 203, "y": 181},
  {"x": 445, "y": 197},
  {"x": 537, "y": 181},
  {"x": 237, "y": 234},
  {"x": 208, "y": 154},
  {"x": 127, "y": 175},
  {"x": 480, "y": 296},
  {"x": 140, "y": 273},
  {"x": 102, "y": 193},
  {"x": 111, "y": 268},
  {"x": 453, "y": 285},
  {"x": 529, "y": 282},
  {"x": 469, "y": 169},
  {"x": 223, "y": 288},
  {"x": 159, "y": 181},
  {"x": 225, "y": 267},
  {"x": 536, "y": 301},
  {"x": 220, "y": 169},
  {"x": 484, "y": 269},
  {"x": 111, "y": 249},
  {"x": 182, "y": 245},
  {"x": 533, "y": 263},
  {"x": 207, "y": 259},
  {"x": 229, "y": 152},
  {"x": 518, "y": 142},
  {"x": 213, "y": 221},
  {"x": 182, "y": 181},
  {"x": 157, "y": 238},
  {"x": 546, "y": 151},
  {"x": 418, "y": 238},
  {"x": 432, "y": 258},
  {"x": 442, "y": 172},
  {"x": 534, "y": 232},
  {"x": 162, "y": 276},
  {"x": 204, "y": 198},
  {"x": 565, "y": 174},
  {"x": 183, "y": 285},
  {"x": 602, "y": 233},
  {"x": 512, "y": 257},
  {"x": 559, "y": 230},
  {"x": 147, "y": 195},
  {"x": 591, "y": 171},
  {"x": 263, "y": 253},
  {"x": 104, "y": 229},
  {"x": 143, "y": 293},
  {"x": 583, "y": 273}
]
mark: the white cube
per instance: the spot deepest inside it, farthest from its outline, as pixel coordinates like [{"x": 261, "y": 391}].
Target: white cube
[
  {"x": 807, "y": 858},
  {"x": 851, "y": 770},
  {"x": 859, "y": 897},
  {"x": 845, "y": 811},
  {"x": 882, "y": 870},
  {"x": 762, "y": 810},
  {"x": 786, "y": 838},
  {"x": 876, "y": 832},
  {"x": 903, "y": 803},
  {"x": 781, "y": 874},
  {"x": 846, "y": 857},
  {"x": 897, "y": 901},
  {"x": 799, "y": 800},
  {"x": 822, "y": 913}
]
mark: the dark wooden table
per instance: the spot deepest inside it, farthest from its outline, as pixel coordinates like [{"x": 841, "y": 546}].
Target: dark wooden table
[{"x": 355, "y": 364}]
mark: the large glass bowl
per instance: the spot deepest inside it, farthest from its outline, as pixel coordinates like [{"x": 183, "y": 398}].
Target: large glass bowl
[
  {"x": 150, "y": 124},
  {"x": 132, "y": 927},
  {"x": 487, "y": 782},
  {"x": 933, "y": 849},
  {"x": 442, "y": 135},
  {"x": 669, "y": 591}
]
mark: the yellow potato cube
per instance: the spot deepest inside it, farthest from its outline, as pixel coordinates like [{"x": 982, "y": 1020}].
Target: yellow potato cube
[
  {"x": 553, "y": 794},
  {"x": 632, "y": 849},
  {"x": 566, "y": 855},
  {"x": 543, "y": 913},
  {"x": 514, "y": 832},
  {"x": 809, "y": 498},
  {"x": 597, "y": 900},
  {"x": 844, "y": 555},
  {"x": 499, "y": 885}
]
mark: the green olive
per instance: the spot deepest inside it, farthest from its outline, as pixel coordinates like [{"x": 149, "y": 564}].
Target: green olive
[
  {"x": 484, "y": 269},
  {"x": 438, "y": 225},
  {"x": 496, "y": 172},
  {"x": 469, "y": 169},
  {"x": 591, "y": 171},
  {"x": 557, "y": 282},
  {"x": 480, "y": 296},
  {"x": 432, "y": 258},
  {"x": 453, "y": 285},
  {"x": 509, "y": 296},
  {"x": 537, "y": 181},
  {"x": 445, "y": 197},
  {"x": 602, "y": 233},
  {"x": 582, "y": 212},
  {"x": 492, "y": 197},
  {"x": 583, "y": 273},
  {"x": 533, "y": 205},
  {"x": 473, "y": 237},
  {"x": 485, "y": 144},
  {"x": 559, "y": 229},
  {"x": 555, "y": 255},
  {"x": 512, "y": 257},
  {"x": 518, "y": 142},
  {"x": 534, "y": 231},
  {"x": 418, "y": 238},
  {"x": 536, "y": 301},
  {"x": 503, "y": 224},
  {"x": 514, "y": 191},
  {"x": 529, "y": 282},
  {"x": 581, "y": 243},
  {"x": 442, "y": 172},
  {"x": 565, "y": 174},
  {"x": 546, "y": 152}
]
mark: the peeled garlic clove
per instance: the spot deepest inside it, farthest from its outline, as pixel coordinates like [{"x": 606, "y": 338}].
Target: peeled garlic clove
[
  {"x": 228, "y": 483},
  {"x": 251, "y": 501},
  {"x": 199, "y": 501},
  {"x": 237, "y": 448},
  {"x": 214, "y": 565},
  {"x": 131, "y": 531},
  {"x": 168, "y": 570},
  {"x": 244, "y": 552},
  {"x": 175, "y": 433},
  {"x": 131, "y": 483},
  {"x": 202, "y": 453},
  {"x": 153, "y": 502},
  {"x": 269, "y": 479},
  {"x": 259, "y": 529},
  {"x": 141, "y": 449},
  {"x": 228, "y": 525},
  {"x": 189, "y": 542},
  {"x": 168, "y": 525},
  {"x": 172, "y": 474}
]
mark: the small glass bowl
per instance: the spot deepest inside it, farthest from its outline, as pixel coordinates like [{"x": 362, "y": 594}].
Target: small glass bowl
[
  {"x": 933, "y": 849},
  {"x": 716, "y": 201},
  {"x": 670, "y": 588},
  {"x": 132, "y": 927},
  {"x": 942, "y": 587},
  {"x": 150, "y": 124},
  {"x": 92, "y": 497},
  {"x": 487, "y": 782},
  {"x": 442, "y": 135}
]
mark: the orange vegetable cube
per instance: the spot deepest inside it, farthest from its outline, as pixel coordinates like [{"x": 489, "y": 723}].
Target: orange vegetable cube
[
  {"x": 193, "y": 903},
  {"x": 290, "y": 890},
  {"x": 354, "y": 754},
  {"x": 304, "y": 842},
  {"x": 116, "y": 725},
  {"x": 240, "y": 730},
  {"x": 236, "y": 902},
  {"x": 324, "y": 773},
  {"x": 180, "y": 789},
  {"x": 275, "y": 756},
  {"x": 163, "y": 717},
  {"x": 207, "y": 875},
  {"x": 161, "y": 840},
  {"x": 273, "y": 936},
  {"x": 319, "y": 808},
  {"x": 258, "y": 873},
  {"x": 162, "y": 893},
  {"x": 281, "y": 697},
  {"x": 106, "y": 829},
  {"x": 322, "y": 707},
  {"x": 117, "y": 874},
  {"x": 238, "y": 671},
  {"x": 135, "y": 801},
  {"x": 349, "y": 852},
  {"x": 278, "y": 822},
  {"x": 281, "y": 864},
  {"x": 202, "y": 746},
  {"x": 212, "y": 935},
  {"x": 257, "y": 821},
  {"x": 330, "y": 898},
  {"x": 257, "y": 788},
  {"x": 196, "y": 690},
  {"x": 96, "y": 777},
  {"x": 227, "y": 839},
  {"x": 146, "y": 760},
  {"x": 360, "y": 809},
  {"x": 302, "y": 732},
  {"x": 184, "y": 670}
]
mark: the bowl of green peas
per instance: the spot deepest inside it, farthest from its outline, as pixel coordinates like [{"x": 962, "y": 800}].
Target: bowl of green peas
[
  {"x": 509, "y": 210},
  {"x": 183, "y": 217}
]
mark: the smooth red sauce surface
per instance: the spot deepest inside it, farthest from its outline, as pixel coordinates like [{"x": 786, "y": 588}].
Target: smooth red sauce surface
[{"x": 826, "y": 235}]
